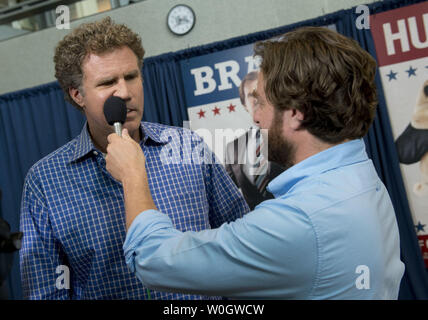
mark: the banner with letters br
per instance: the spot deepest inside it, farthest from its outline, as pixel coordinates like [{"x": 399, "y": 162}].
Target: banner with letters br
[
  {"x": 401, "y": 41},
  {"x": 212, "y": 92},
  {"x": 219, "y": 94}
]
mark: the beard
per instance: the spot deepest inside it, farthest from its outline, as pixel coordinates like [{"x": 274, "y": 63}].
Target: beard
[{"x": 280, "y": 150}]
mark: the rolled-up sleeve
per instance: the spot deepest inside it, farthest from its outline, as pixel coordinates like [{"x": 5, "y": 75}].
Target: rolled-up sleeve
[{"x": 263, "y": 254}]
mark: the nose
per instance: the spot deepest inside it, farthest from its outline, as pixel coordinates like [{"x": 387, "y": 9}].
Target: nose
[{"x": 122, "y": 90}]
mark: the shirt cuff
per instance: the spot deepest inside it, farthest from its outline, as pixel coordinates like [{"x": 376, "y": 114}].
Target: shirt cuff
[{"x": 143, "y": 225}]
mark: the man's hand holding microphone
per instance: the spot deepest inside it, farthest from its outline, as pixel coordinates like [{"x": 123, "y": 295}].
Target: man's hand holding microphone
[{"x": 126, "y": 162}]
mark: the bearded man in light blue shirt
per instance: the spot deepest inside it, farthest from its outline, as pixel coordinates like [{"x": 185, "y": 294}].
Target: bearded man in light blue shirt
[{"x": 330, "y": 232}]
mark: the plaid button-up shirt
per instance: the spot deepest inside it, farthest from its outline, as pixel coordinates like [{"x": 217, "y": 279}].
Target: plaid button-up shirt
[{"x": 73, "y": 214}]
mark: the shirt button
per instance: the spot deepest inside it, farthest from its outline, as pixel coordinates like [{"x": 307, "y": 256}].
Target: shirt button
[
  {"x": 95, "y": 153},
  {"x": 378, "y": 186}
]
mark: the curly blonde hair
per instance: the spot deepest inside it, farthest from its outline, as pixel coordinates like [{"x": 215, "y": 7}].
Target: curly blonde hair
[{"x": 96, "y": 37}]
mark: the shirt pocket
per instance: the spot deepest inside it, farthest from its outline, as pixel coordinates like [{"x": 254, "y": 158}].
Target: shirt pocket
[
  {"x": 177, "y": 179},
  {"x": 180, "y": 192}
]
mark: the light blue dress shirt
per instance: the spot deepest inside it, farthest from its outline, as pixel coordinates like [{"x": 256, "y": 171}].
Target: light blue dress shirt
[{"x": 330, "y": 233}]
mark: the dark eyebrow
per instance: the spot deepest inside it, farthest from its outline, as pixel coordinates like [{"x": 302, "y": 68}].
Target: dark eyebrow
[
  {"x": 106, "y": 80},
  {"x": 132, "y": 73}
]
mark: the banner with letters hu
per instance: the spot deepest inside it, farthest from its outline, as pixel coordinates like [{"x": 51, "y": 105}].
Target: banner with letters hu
[{"x": 401, "y": 41}]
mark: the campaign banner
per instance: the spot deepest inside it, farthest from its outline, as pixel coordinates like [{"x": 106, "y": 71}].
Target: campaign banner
[
  {"x": 219, "y": 93},
  {"x": 212, "y": 93},
  {"x": 401, "y": 42}
]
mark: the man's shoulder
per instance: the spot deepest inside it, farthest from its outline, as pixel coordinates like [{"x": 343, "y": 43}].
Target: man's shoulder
[
  {"x": 336, "y": 187},
  {"x": 164, "y": 133},
  {"x": 157, "y": 126},
  {"x": 238, "y": 145},
  {"x": 159, "y": 129},
  {"x": 54, "y": 161},
  {"x": 240, "y": 139}
]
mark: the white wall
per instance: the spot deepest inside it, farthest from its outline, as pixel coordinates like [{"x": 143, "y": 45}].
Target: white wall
[{"x": 26, "y": 61}]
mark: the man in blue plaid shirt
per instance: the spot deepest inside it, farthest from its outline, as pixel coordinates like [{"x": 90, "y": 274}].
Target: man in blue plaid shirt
[{"x": 73, "y": 210}]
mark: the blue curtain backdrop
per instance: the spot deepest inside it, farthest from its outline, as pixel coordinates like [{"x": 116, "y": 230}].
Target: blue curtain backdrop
[{"x": 36, "y": 121}]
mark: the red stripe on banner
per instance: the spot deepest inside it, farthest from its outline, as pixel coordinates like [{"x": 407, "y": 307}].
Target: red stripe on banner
[
  {"x": 423, "y": 243},
  {"x": 401, "y": 34}
]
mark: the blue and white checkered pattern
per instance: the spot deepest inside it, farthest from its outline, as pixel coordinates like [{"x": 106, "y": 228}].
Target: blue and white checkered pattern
[{"x": 73, "y": 214}]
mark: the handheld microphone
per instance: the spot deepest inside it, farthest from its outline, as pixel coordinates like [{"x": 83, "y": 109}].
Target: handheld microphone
[{"x": 115, "y": 113}]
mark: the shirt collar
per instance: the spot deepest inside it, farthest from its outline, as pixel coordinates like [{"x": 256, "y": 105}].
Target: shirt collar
[
  {"x": 84, "y": 143},
  {"x": 338, "y": 156},
  {"x": 153, "y": 131}
]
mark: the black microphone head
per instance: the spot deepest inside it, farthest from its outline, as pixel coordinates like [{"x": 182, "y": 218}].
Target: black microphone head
[{"x": 115, "y": 110}]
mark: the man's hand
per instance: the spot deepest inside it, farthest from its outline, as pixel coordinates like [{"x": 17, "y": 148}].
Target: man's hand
[
  {"x": 125, "y": 158},
  {"x": 126, "y": 162}
]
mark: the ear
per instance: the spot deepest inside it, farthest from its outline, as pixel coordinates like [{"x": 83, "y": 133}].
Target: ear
[
  {"x": 295, "y": 119},
  {"x": 77, "y": 96}
]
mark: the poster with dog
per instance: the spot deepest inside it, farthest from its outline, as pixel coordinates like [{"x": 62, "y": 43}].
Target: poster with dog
[{"x": 401, "y": 41}]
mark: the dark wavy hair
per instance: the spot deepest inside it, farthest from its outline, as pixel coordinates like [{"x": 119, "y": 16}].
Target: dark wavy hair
[
  {"x": 326, "y": 76},
  {"x": 96, "y": 37}
]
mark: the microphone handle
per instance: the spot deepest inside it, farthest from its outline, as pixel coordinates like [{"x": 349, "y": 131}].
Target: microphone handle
[{"x": 118, "y": 128}]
